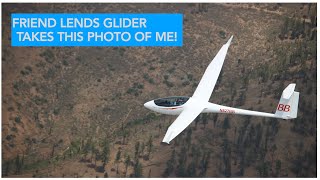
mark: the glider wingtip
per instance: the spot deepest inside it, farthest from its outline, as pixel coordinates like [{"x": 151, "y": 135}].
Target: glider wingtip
[
  {"x": 167, "y": 142},
  {"x": 229, "y": 41}
]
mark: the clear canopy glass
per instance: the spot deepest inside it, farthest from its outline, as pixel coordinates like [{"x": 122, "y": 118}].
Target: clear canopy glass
[{"x": 171, "y": 101}]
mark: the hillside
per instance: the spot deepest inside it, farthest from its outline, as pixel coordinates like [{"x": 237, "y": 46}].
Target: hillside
[{"x": 78, "y": 111}]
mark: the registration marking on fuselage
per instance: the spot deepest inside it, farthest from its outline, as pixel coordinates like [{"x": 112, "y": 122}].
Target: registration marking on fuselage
[{"x": 228, "y": 111}]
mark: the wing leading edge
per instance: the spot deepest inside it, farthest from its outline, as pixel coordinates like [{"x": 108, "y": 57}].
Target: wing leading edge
[{"x": 210, "y": 76}]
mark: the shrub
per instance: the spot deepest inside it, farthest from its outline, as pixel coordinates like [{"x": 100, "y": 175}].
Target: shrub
[
  {"x": 185, "y": 83},
  {"x": 168, "y": 83},
  {"x": 65, "y": 63},
  {"x": 152, "y": 68},
  {"x": 151, "y": 81},
  {"x": 9, "y": 137},
  {"x": 39, "y": 100},
  {"x": 28, "y": 68},
  {"x": 14, "y": 129},
  {"x": 23, "y": 72},
  {"x": 190, "y": 77},
  {"x": 17, "y": 119},
  {"x": 56, "y": 111},
  {"x": 48, "y": 55},
  {"x": 140, "y": 86},
  {"x": 171, "y": 70},
  {"x": 222, "y": 34}
]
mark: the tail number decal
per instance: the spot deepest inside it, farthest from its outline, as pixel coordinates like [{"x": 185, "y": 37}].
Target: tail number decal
[
  {"x": 227, "y": 111},
  {"x": 282, "y": 107}
]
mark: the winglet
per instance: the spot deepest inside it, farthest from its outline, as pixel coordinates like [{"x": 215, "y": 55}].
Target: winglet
[{"x": 229, "y": 41}]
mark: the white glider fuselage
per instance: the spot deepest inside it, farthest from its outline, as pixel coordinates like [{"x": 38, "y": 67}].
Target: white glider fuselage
[{"x": 208, "y": 107}]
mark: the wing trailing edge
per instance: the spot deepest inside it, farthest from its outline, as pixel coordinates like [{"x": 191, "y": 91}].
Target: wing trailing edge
[{"x": 184, "y": 119}]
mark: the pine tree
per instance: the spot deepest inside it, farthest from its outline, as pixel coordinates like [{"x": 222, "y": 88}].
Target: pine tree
[
  {"x": 196, "y": 122},
  {"x": 226, "y": 123},
  {"x": 182, "y": 162},
  {"x": 18, "y": 164},
  {"x": 142, "y": 149},
  {"x": 191, "y": 170},
  {"x": 273, "y": 149},
  {"x": 6, "y": 167},
  {"x": 127, "y": 162},
  {"x": 105, "y": 153},
  {"x": 137, "y": 147},
  {"x": 188, "y": 137},
  {"x": 204, "y": 163},
  {"x": 215, "y": 119},
  {"x": 118, "y": 157},
  {"x": 137, "y": 169},
  {"x": 96, "y": 156},
  {"x": 92, "y": 150},
  {"x": 170, "y": 165},
  {"x": 87, "y": 148},
  {"x": 278, "y": 167},
  {"x": 150, "y": 145},
  {"x": 204, "y": 120}
]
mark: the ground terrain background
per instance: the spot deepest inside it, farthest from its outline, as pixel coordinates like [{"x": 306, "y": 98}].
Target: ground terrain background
[{"x": 78, "y": 111}]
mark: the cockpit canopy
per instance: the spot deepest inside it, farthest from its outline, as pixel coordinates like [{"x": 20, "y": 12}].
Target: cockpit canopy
[{"x": 171, "y": 101}]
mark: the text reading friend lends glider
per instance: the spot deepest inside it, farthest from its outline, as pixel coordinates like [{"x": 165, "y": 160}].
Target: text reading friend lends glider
[{"x": 188, "y": 108}]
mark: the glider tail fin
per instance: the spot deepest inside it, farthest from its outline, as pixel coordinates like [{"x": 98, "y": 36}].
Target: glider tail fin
[{"x": 288, "y": 104}]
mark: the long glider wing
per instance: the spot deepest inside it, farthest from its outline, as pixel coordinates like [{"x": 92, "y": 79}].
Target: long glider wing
[
  {"x": 202, "y": 94},
  {"x": 210, "y": 76},
  {"x": 184, "y": 119}
]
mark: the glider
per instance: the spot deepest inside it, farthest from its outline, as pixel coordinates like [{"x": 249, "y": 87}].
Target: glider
[{"x": 188, "y": 108}]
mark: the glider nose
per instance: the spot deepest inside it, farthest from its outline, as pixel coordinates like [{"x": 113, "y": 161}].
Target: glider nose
[{"x": 148, "y": 104}]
